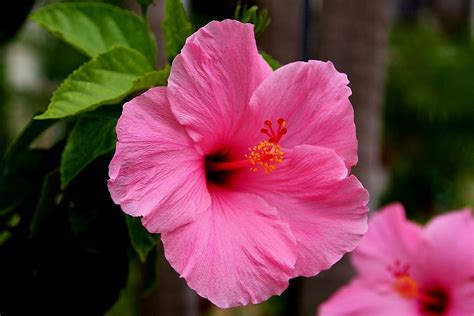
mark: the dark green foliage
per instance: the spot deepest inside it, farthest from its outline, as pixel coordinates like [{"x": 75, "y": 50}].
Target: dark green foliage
[
  {"x": 82, "y": 265},
  {"x": 45, "y": 262},
  {"x": 429, "y": 134},
  {"x": 77, "y": 24},
  {"x": 150, "y": 277},
  {"x": 142, "y": 241},
  {"x": 12, "y": 19},
  {"x": 259, "y": 18},
  {"x": 23, "y": 169},
  {"x": 4, "y": 98},
  {"x": 48, "y": 199},
  {"x": 65, "y": 247},
  {"x": 106, "y": 79},
  {"x": 92, "y": 136},
  {"x": 275, "y": 64},
  {"x": 19, "y": 147},
  {"x": 176, "y": 27}
]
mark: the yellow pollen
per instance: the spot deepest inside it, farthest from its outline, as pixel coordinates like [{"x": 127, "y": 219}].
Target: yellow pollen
[
  {"x": 268, "y": 153},
  {"x": 265, "y": 155},
  {"x": 406, "y": 286}
]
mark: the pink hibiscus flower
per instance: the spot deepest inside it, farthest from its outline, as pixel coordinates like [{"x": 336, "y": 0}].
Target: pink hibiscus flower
[
  {"x": 244, "y": 171},
  {"x": 404, "y": 269}
]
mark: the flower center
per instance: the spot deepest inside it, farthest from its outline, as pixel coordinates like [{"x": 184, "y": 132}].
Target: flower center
[
  {"x": 268, "y": 152},
  {"x": 265, "y": 155},
  {"x": 432, "y": 301},
  {"x": 406, "y": 286}
]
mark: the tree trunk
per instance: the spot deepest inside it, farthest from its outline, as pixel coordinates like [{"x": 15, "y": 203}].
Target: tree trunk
[
  {"x": 353, "y": 35},
  {"x": 284, "y": 37}
]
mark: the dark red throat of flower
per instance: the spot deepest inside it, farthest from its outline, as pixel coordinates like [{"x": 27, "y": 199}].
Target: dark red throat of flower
[
  {"x": 263, "y": 156},
  {"x": 433, "y": 301}
]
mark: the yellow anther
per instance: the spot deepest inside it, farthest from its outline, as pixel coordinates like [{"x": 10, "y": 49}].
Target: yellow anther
[
  {"x": 265, "y": 155},
  {"x": 406, "y": 286}
]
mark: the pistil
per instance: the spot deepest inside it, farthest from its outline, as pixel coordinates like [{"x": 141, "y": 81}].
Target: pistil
[{"x": 265, "y": 155}]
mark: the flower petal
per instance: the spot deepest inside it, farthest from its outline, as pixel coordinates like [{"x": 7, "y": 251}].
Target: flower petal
[
  {"x": 448, "y": 248},
  {"x": 461, "y": 299},
  {"x": 237, "y": 252},
  {"x": 212, "y": 80},
  {"x": 356, "y": 299},
  {"x": 156, "y": 172},
  {"x": 314, "y": 100},
  {"x": 391, "y": 238},
  {"x": 326, "y": 209}
]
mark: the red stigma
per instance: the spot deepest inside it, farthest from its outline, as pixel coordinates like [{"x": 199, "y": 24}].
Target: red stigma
[
  {"x": 275, "y": 137},
  {"x": 398, "y": 269}
]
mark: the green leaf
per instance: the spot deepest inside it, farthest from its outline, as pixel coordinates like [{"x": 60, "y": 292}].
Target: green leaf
[
  {"x": 152, "y": 79},
  {"x": 94, "y": 27},
  {"x": 47, "y": 203},
  {"x": 258, "y": 17},
  {"x": 21, "y": 183},
  {"x": 14, "y": 220},
  {"x": 106, "y": 79},
  {"x": 22, "y": 142},
  {"x": 150, "y": 277},
  {"x": 127, "y": 302},
  {"x": 91, "y": 137},
  {"x": 275, "y": 64},
  {"x": 12, "y": 206},
  {"x": 22, "y": 179},
  {"x": 142, "y": 241},
  {"x": 82, "y": 219},
  {"x": 176, "y": 27},
  {"x": 4, "y": 236}
]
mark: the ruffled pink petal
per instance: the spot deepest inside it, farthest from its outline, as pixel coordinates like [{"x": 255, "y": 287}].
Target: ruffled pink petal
[
  {"x": 356, "y": 299},
  {"x": 326, "y": 209},
  {"x": 314, "y": 99},
  {"x": 237, "y": 252},
  {"x": 212, "y": 80},
  {"x": 391, "y": 238},
  {"x": 156, "y": 172},
  {"x": 448, "y": 249},
  {"x": 462, "y": 299}
]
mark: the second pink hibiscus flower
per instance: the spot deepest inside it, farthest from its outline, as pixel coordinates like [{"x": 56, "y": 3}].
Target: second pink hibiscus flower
[
  {"x": 243, "y": 171},
  {"x": 405, "y": 269}
]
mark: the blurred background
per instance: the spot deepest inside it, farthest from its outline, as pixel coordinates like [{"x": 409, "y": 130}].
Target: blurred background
[{"x": 411, "y": 67}]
